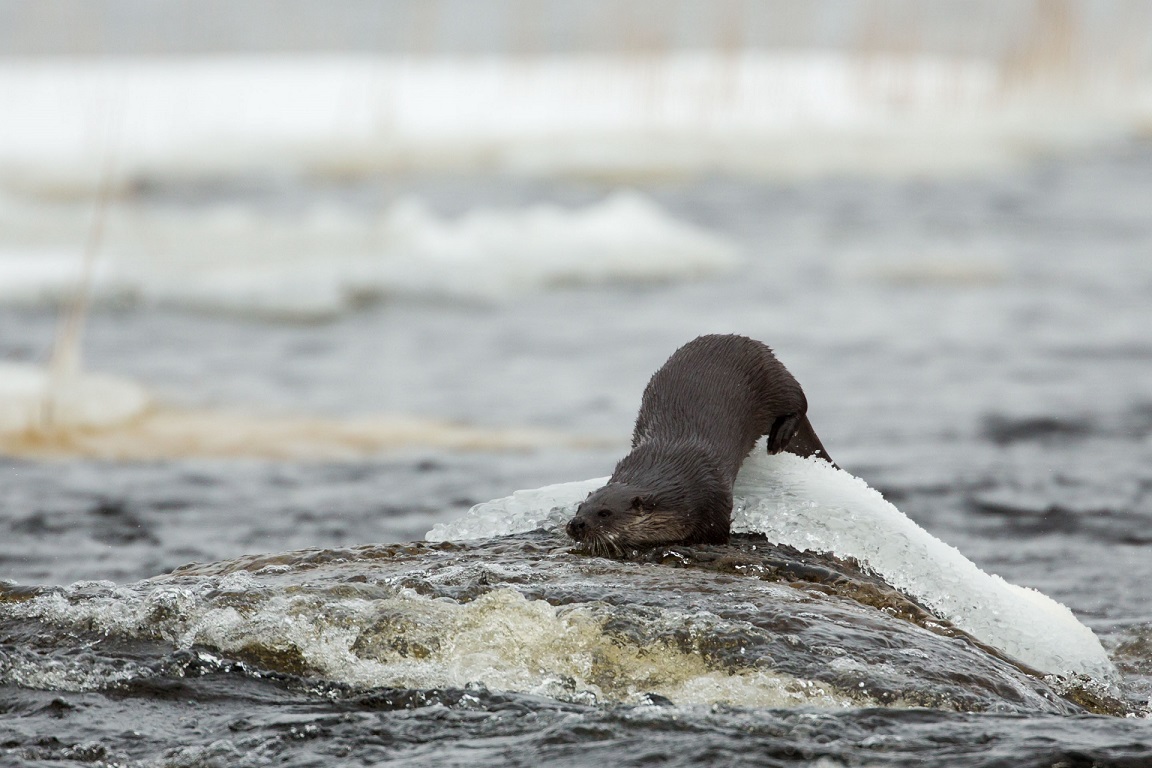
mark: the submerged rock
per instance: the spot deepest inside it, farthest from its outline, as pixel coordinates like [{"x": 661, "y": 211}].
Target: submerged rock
[{"x": 751, "y": 624}]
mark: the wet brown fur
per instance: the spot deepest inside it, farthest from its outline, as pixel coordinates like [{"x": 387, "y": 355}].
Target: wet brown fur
[{"x": 700, "y": 416}]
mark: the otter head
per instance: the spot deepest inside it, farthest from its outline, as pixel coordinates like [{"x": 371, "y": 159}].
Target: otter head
[{"x": 620, "y": 516}]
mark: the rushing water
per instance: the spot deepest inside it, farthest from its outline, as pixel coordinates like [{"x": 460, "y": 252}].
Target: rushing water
[{"x": 976, "y": 349}]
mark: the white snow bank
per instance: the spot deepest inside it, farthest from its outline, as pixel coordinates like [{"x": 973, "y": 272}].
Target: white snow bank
[
  {"x": 320, "y": 263},
  {"x": 30, "y": 398},
  {"x": 810, "y": 505},
  {"x": 677, "y": 110}
]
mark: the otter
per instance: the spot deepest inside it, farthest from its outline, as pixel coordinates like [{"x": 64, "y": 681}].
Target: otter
[{"x": 700, "y": 416}]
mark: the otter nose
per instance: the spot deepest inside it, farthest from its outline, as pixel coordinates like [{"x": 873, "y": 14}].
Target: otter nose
[{"x": 577, "y": 528}]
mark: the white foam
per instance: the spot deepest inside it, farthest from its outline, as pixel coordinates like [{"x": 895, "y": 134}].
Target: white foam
[
  {"x": 400, "y": 638},
  {"x": 810, "y": 505},
  {"x": 31, "y": 397},
  {"x": 322, "y": 262}
]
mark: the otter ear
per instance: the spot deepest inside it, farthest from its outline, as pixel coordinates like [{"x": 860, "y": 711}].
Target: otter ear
[{"x": 639, "y": 502}]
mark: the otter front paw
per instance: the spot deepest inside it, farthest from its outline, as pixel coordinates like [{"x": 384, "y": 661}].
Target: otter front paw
[{"x": 783, "y": 429}]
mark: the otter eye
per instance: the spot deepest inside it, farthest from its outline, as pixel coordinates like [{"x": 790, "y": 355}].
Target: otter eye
[{"x": 605, "y": 513}]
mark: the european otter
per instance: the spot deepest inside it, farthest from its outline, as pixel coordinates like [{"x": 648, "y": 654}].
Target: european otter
[{"x": 700, "y": 416}]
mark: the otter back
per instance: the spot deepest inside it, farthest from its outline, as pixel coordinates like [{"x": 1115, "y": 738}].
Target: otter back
[{"x": 722, "y": 391}]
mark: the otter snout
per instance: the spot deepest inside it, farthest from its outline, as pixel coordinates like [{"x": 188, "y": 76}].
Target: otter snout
[
  {"x": 580, "y": 527},
  {"x": 577, "y": 529}
]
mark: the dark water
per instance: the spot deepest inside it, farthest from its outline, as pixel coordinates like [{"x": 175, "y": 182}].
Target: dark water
[{"x": 978, "y": 349}]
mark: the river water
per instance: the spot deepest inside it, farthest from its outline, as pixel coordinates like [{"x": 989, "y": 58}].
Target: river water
[{"x": 975, "y": 348}]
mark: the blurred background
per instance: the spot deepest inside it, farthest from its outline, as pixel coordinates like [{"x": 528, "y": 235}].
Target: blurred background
[{"x": 278, "y": 274}]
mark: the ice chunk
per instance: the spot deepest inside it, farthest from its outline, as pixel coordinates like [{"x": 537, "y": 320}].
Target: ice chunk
[
  {"x": 30, "y": 397},
  {"x": 326, "y": 261},
  {"x": 811, "y": 505},
  {"x": 624, "y": 238},
  {"x": 547, "y": 507}
]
